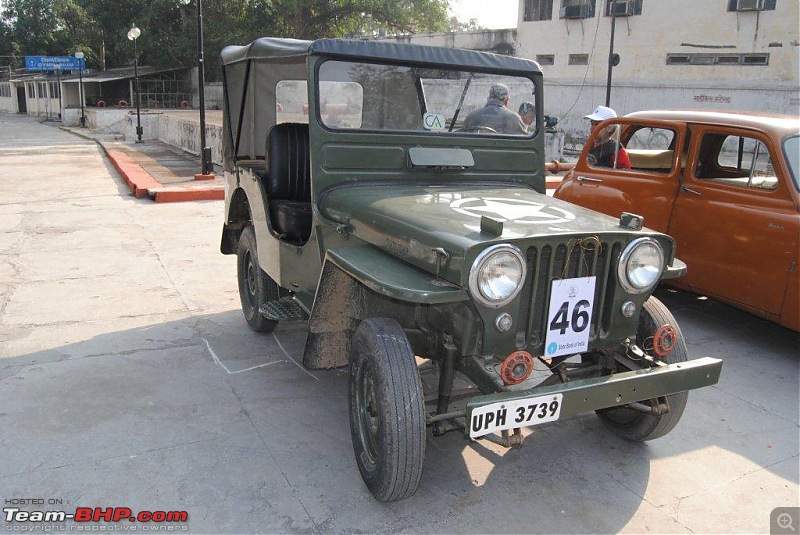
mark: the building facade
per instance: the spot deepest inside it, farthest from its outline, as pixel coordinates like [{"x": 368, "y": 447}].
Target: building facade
[
  {"x": 709, "y": 54},
  {"x": 100, "y": 97},
  {"x": 714, "y": 54}
]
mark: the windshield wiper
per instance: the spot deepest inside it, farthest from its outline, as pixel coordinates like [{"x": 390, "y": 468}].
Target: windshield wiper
[{"x": 461, "y": 102}]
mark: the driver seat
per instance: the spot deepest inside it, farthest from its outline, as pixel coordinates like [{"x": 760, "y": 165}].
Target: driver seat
[{"x": 289, "y": 181}]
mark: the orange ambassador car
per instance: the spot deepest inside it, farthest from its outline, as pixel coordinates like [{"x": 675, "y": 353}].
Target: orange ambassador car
[{"x": 725, "y": 186}]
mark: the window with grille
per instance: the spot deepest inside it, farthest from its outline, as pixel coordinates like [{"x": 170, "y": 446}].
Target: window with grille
[
  {"x": 545, "y": 59},
  {"x": 577, "y": 9},
  {"x": 718, "y": 59},
  {"x": 538, "y": 10},
  {"x": 579, "y": 59}
]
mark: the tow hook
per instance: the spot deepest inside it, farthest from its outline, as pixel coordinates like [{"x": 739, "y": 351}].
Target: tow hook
[
  {"x": 638, "y": 355},
  {"x": 507, "y": 440}
]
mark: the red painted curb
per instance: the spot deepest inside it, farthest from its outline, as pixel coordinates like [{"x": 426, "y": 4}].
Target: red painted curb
[
  {"x": 553, "y": 183},
  {"x": 142, "y": 184},
  {"x": 183, "y": 195},
  {"x": 138, "y": 180}
]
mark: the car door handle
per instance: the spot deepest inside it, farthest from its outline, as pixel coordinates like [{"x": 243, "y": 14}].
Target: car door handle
[
  {"x": 589, "y": 179},
  {"x": 692, "y": 191}
]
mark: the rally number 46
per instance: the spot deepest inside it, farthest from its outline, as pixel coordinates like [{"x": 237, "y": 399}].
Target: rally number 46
[{"x": 577, "y": 321}]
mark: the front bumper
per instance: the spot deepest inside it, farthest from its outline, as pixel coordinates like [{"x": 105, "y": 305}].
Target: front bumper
[{"x": 586, "y": 395}]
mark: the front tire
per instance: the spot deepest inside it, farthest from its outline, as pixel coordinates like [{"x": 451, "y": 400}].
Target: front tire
[
  {"x": 637, "y": 426},
  {"x": 387, "y": 411},
  {"x": 255, "y": 286}
]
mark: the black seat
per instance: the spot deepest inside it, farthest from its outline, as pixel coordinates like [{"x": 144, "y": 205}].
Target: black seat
[{"x": 289, "y": 181}]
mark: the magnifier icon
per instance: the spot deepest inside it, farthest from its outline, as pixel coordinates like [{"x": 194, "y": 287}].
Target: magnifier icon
[{"x": 785, "y": 521}]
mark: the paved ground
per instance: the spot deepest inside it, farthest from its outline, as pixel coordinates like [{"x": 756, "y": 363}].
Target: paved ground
[
  {"x": 129, "y": 379},
  {"x": 155, "y": 169}
]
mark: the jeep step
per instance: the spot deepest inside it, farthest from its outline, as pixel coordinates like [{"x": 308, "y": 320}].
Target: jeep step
[{"x": 284, "y": 309}]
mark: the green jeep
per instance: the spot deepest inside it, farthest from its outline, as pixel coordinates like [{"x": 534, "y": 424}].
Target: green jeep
[{"x": 421, "y": 251}]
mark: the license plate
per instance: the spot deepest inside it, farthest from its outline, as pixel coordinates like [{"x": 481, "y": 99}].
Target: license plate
[{"x": 513, "y": 414}]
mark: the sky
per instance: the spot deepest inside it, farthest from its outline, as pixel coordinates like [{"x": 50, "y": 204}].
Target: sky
[{"x": 490, "y": 13}]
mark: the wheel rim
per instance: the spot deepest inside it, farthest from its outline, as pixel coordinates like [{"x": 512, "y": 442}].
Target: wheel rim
[
  {"x": 367, "y": 408},
  {"x": 250, "y": 270}
]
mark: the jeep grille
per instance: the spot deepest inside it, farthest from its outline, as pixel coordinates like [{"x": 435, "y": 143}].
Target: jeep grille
[{"x": 576, "y": 258}]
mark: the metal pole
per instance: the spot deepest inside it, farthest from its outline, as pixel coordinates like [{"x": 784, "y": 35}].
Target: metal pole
[
  {"x": 58, "y": 74},
  {"x": 80, "y": 92},
  {"x": 205, "y": 152},
  {"x": 138, "y": 94},
  {"x": 611, "y": 52}
]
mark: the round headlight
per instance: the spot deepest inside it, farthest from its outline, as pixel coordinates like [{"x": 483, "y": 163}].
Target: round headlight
[
  {"x": 641, "y": 265},
  {"x": 497, "y": 275}
]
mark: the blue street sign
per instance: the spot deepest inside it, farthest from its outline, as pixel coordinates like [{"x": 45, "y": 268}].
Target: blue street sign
[{"x": 51, "y": 63}]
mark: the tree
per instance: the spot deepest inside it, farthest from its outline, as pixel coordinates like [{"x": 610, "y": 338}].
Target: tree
[
  {"x": 99, "y": 27},
  {"x": 34, "y": 25},
  {"x": 311, "y": 19},
  {"x": 455, "y": 25},
  {"x": 7, "y": 49}
]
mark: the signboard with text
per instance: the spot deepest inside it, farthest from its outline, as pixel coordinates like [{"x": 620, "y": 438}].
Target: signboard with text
[{"x": 53, "y": 63}]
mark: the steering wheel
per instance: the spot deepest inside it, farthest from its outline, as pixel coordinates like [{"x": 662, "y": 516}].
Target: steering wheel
[{"x": 479, "y": 129}]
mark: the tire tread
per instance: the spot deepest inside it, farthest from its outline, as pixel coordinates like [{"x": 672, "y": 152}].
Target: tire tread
[{"x": 398, "y": 474}]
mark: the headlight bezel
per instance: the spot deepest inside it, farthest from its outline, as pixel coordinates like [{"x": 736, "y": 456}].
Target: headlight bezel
[
  {"x": 625, "y": 257},
  {"x": 480, "y": 262}
]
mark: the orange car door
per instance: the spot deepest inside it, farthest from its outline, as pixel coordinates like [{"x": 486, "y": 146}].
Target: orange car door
[
  {"x": 734, "y": 221},
  {"x": 649, "y": 188}
]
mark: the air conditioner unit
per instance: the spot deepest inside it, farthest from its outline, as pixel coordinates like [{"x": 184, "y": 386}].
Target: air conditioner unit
[
  {"x": 578, "y": 11},
  {"x": 621, "y": 9},
  {"x": 749, "y": 5}
]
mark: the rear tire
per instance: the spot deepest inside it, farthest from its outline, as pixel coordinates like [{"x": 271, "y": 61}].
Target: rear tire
[
  {"x": 637, "y": 426},
  {"x": 255, "y": 286},
  {"x": 387, "y": 412}
]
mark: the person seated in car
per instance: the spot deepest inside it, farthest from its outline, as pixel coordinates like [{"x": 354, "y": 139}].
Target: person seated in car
[
  {"x": 495, "y": 115},
  {"x": 527, "y": 112},
  {"x": 606, "y": 151}
]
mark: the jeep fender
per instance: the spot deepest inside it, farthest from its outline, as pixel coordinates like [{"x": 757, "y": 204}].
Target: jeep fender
[
  {"x": 360, "y": 282},
  {"x": 247, "y": 204}
]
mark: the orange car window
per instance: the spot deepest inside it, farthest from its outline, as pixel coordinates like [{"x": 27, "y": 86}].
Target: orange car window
[
  {"x": 651, "y": 149},
  {"x": 736, "y": 160}
]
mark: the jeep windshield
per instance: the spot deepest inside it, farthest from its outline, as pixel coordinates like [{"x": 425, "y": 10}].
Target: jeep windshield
[{"x": 386, "y": 97}]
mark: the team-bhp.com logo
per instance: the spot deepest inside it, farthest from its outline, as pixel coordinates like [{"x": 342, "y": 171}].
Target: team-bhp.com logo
[{"x": 94, "y": 515}]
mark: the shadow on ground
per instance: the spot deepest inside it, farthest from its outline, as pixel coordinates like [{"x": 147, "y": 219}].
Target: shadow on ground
[{"x": 200, "y": 414}]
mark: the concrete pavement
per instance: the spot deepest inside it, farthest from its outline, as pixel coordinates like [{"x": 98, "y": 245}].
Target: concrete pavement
[
  {"x": 128, "y": 378},
  {"x": 156, "y": 170}
]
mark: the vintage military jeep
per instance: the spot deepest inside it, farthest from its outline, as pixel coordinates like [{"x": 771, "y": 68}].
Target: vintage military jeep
[{"x": 356, "y": 201}]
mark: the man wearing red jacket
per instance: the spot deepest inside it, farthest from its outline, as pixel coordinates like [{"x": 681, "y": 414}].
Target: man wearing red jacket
[{"x": 606, "y": 151}]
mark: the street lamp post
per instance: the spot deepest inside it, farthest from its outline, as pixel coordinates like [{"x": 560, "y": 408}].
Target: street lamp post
[
  {"x": 611, "y": 58},
  {"x": 133, "y": 35},
  {"x": 79, "y": 56},
  {"x": 58, "y": 75},
  {"x": 206, "y": 171}
]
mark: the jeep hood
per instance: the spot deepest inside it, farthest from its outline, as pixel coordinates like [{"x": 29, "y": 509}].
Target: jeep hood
[{"x": 412, "y": 221}]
